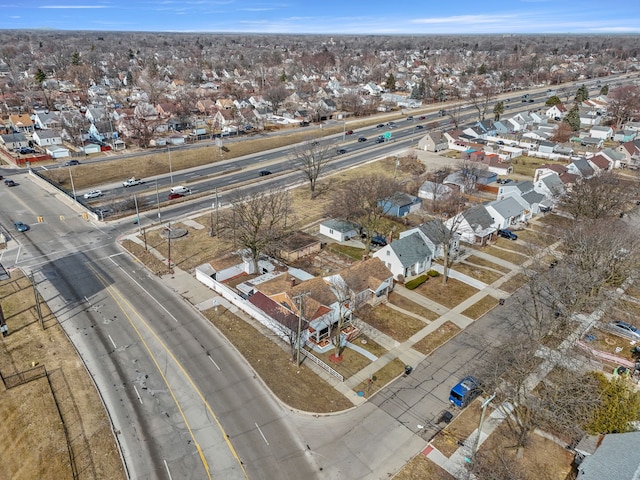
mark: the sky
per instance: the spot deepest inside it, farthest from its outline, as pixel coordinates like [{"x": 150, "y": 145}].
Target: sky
[{"x": 394, "y": 17}]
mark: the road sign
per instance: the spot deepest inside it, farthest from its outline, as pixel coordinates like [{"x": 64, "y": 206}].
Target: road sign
[{"x": 387, "y": 135}]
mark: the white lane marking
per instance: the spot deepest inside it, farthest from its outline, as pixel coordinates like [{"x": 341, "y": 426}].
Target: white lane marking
[
  {"x": 144, "y": 290},
  {"x": 167, "y": 467},
  {"x": 263, "y": 437},
  {"x": 112, "y": 342},
  {"x": 137, "y": 393},
  {"x": 213, "y": 361}
]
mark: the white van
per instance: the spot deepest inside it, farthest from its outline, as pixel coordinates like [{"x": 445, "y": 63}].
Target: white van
[{"x": 180, "y": 190}]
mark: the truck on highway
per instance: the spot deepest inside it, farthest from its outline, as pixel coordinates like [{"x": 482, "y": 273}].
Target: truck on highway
[{"x": 130, "y": 182}]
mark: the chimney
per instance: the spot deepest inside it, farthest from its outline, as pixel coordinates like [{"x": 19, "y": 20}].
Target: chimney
[{"x": 293, "y": 281}]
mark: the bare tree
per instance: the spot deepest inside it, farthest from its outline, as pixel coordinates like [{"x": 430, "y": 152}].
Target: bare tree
[
  {"x": 362, "y": 200},
  {"x": 624, "y": 102},
  {"x": 257, "y": 221},
  {"x": 481, "y": 97},
  {"x": 311, "y": 158},
  {"x": 275, "y": 96}
]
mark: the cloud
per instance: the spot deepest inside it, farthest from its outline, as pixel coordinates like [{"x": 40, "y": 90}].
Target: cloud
[{"x": 464, "y": 19}]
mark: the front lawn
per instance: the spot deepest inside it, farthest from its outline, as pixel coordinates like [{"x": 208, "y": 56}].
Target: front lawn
[
  {"x": 406, "y": 304},
  {"x": 506, "y": 255},
  {"x": 390, "y": 322},
  {"x": 481, "y": 307},
  {"x": 379, "y": 379},
  {"x": 449, "y": 294},
  {"x": 436, "y": 338},
  {"x": 477, "y": 272},
  {"x": 486, "y": 263}
]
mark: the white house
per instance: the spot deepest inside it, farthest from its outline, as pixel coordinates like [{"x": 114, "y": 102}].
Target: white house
[
  {"x": 474, "y": 225},
  {"x": 435, "y": 233},
  {"x": 557, "y": 112},
  {"x": 45, "y": 138},
  {"x": 57, "y": 152},
  {"x": 505, "y": 212},
  {"x": 407, "y": 257},
  {"x": 339, "y": 230},
  {"x": 602, "y": 132}
]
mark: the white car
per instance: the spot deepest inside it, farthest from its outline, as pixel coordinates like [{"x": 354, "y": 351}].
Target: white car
[{"x": 93, "y": 194}]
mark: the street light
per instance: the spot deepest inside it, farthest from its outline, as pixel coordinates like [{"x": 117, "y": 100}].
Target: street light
[
  {"x": 474, "y": 450},
  {"x": 73, "y": 189},
  {"x": 157, "y": 199},
  {"x": 170, "y": 169}
]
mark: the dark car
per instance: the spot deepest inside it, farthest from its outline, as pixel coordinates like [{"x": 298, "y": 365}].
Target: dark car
[
  {"x": 380, "y": 125},
  {"x": 378, "y": 241},
  {"x": 421, "y": 117},
  {"x": 409, "y": 118},
  {"x": 24, "y": 150},
  {"x": 341, "y": 151},
  {"x": 505, "y": 233},
  {"x": 500, "y": 142},
  {"x": 21, "y": 227},
  {"x": 545, "y": 209},
  {"x": 10, "y": 183},
  {"x": 349, "y": 132},
  {"x": 362, "y": 139},
  {"x": 379, "y": 140},
  {"x": 71, "y": 163},
  {"x": 265, "y": 172},
  {"x": 531, "y": 100},
  {"x": 419, "y": 127}
]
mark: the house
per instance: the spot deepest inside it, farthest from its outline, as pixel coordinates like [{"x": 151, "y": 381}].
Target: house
[
  {"x": 600, "y": 163},
  {"x": 474, "y": 225},
  {"x": 500, "y": 127},
  {"x": 629, "y": 153},
  {"x": 610, "y": 456},
  {"x": 56, "y": 151},
  {"x": 624, "y": 136},
  {"x": 13, "y": 141},
  {"x": 297, "y": 245},
  {"x": 433, "y": 191},
  {"x": 46, "y": 120},
  {"x": 435, "y": 233},
  {"x": 21, "y": 123},
  {"x": 546, "y": 147},
  {"x": 339, "y": 230},
  {"x": 95, "y": 114},
  {"x": 407, "y": 257},
  {"x": 400, "y": 204},
  {"x": 433, "y": 142},
  {"x": 615, "y": 156},
  {"x": 516, "y": 189},
  {"x": 47, "y": 137},
  {"x": 581, "y": 167},
  {"x": 597, "y": 131},
  {"x": 557, "y": 112},
  {"x": 592, "y": 142},
  {"x": 505, "y": 212},
  {"x": 589, "y": 116},
  {"x": 551, "y": 186}
]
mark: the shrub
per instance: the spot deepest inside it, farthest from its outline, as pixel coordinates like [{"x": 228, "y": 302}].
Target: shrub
[
  {"x": 432, "y": 273},
  {"x": 416, "y": 282}
]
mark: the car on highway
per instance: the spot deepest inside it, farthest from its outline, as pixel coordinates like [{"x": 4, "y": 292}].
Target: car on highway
[
  {"x": 362, "y": 139},
  {"x": 349, "y": 132},
  {"x": 20, "y": 227},
  {"x": 380, "y": 140},
  {"x": 409, "y": 118},
  {"x": 264, "y": 173},
  {"x": 10, "y": 183},
  {"x": 93, "y": 194},
  {"x": 506, "y": 233},
  {"x": 624, "y": 327},
  {"x": 391, "y": 124},
  {"x": 380, "y": 125},
  {"x": 173, "y": 196},
  {"x": 130, "y": 182},
  {"x": 419, "y": 127},
  {"x": 422, "y": 117},
  {"x": 341, "y": 151},
  {"x": 71, "y": 163}
]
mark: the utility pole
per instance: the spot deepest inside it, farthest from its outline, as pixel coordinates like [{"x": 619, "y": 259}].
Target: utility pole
[
  {"x": 135, "y": 200},
  {"x": 217, "y": 215},
  {"x": 300, "y": 298},
  {"x": 476, "y": 442},
  {"x": 157, "y": 199},
  {"x": 170, "y": 169},
  {"x": 169, "y": 246}
]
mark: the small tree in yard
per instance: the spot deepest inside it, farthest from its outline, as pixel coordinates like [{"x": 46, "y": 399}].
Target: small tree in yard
[
  {"x": 582, "y": 94},
  {"x": 619, "y": 406},
  {"x": 553, "y": 100},
  {"x": 257, "y": 221},
  {"x": 573, "y": 118}
]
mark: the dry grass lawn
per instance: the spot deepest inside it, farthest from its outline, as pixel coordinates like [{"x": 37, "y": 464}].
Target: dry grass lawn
[
  {"x": 458, "y": 430},
  {"x": 608, "y": 342},
  {"x": 36, "y": 445},
  {"x": 506, "y": 255},
  {"x": 481, "y": 307},
  {"x": 352, "y": 362},
  {"x": 514, "y": 283},
  {"x": 449, "y": 294},
  {"x": 527, "y": 166},
  {"x": 421, "y": 468},
  {"x": 389, "y": 372},
  {"x": 413, "y": 307},
  {"x": 556, "y": 221},
  {"x": 479, "y": 273},
  {"x": 542, "y": 459},
  {"x": 474, "y": 259},
  {"x": 289, "y": 383},
  {"x": 390, "y": 322},
  {"x": 436, "y": 338}
]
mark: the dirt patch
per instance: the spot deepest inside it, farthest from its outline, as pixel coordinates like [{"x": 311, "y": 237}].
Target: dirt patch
[
  {"x": 449, "y": 439},
  {"x": 542, "y": 459},
  {"x": 449, "y": 294},
  {"x": 289, "y": 383},
  {"x": 527, "y": 166},
  {"x": 421, "y": 468},
  {"x": 481, "y": 307},
  {"x": 413, "y": 307},
  {"x": 395, "y": 324},
  {"x": 436, "y": 338},
  {"x": 379, "y": 379},
  {"x": 38, "y": 446}
]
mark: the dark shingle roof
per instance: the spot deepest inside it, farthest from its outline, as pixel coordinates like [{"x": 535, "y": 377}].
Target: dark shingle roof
[{"x": 411, "y": 249}]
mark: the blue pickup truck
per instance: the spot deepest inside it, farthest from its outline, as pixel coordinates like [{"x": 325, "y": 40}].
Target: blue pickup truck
[{"x": 465, "y": 391}]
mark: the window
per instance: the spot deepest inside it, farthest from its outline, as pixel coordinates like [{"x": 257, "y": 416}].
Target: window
[
  {"x": 388, "y": 253},
  {"x": 331, "y": 231}
]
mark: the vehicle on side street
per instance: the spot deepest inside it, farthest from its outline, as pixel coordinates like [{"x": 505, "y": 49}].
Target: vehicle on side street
[
  {"x": 130, "y": 182},
  {"x": 71, "y": 163},
  {"x": 465, "y": 391},
  {"x": 624, "y": 327},
  {"x": 93, "y": 194},
  {"x": 506, "y": 233},
  {"x": 10, "y": 183},
  {"x": 362, "y": 139},
  {"x": 21, "y": 227}
]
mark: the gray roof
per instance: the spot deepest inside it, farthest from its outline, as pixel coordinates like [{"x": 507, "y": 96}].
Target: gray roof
[
  {"x": 582, "y": 164},
  {"x": 42, "y": 134},
  {"x": 613, "y": 154},
  {"x": 411, "y": 249},
  {"x": 478, "y": 216},
  {"x": 507, "y": 207},
  {"x": 340, "y": 225},
  {"x": 553, "y": 183},
  {"x": 533, "y": 197},
  {"x": 14, "y": 137},
  {"x": 616, "y": 457},
  {"x": 525, "y": 186},
  {"x": 435, "y": 231}
]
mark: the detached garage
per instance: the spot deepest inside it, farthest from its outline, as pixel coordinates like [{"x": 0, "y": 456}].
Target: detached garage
[
  {"x": 339, "y": 230},
  {"x": 57, "y": 152}
]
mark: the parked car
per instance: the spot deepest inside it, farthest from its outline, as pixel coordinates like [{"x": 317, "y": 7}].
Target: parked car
[
  {"x": 362, "y": 139},
  {"x": 627, "y": 328},
  {"x": 505, "y": 233},
  {"x": 341, "y": 151},
  {"x": 10, "y": 183},
  {"x": 21, "y": 227},
  {"x": 71, "y": 163},
  {"x": 349, "y": 132},
  {"x": 500, "y": 142},
  {"x": 378, "y": 241},
  {"x": 380, "y": 125},
  {"x": 503, "y": 181},
  {"x": 544, "y": 209},
  {"x": 25, "y": 150},
  {"x": 465, "y": 391},
  {"x": 265, "y": 173},
  {"x": 93, "y": 194}
]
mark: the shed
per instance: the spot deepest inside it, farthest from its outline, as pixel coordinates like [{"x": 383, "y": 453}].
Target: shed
[
  {"x": 339, "y": 230},
  {"x": 57, "y": 152},
  {"x": 91, "y": 148}
]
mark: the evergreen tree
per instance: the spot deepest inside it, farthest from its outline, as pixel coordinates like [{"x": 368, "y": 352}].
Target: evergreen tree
[
  {"x": 573, "y": 118},
  {"x": 498, "y": 110},
  {"x": 482, "y": 69},
  {"x": 553, "y": 100},
  {"x": 75, "y": 58},
  {"x": 619, "y": 406},
  {"x": 390, "y": 84},
  {"x": 582, "y": 94},
  {"x": 604, "y": 90}
]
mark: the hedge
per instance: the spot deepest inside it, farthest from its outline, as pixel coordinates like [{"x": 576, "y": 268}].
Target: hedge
[{"x": 416, "y": 282}]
